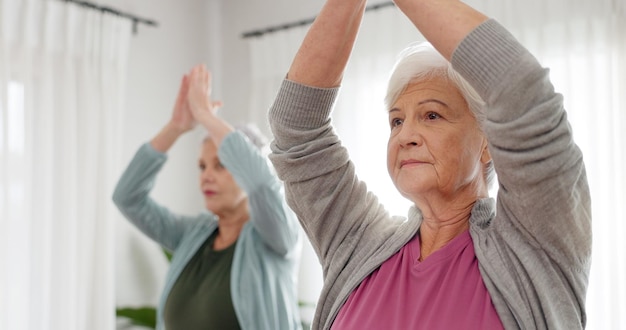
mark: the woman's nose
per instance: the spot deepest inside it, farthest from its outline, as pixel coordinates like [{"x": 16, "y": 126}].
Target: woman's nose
[
  {"x": 207, "y": 175},
  {"x": 409, "y": 136}
]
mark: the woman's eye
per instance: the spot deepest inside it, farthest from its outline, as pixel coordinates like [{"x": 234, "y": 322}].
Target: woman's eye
[
  {"x": 432, "y": 116},
  {"x": 201, "y": 167},
  {"x": 395, "y": 122}
]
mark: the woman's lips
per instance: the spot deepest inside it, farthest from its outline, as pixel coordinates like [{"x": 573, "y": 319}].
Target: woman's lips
[{"x": 411, "y": 162}]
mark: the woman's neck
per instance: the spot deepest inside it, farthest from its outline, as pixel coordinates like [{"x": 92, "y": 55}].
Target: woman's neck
[
  {"x": 229, "y": 226},
  {"x": 435, "y": 236},
  {"x": 441, "y": 223}
]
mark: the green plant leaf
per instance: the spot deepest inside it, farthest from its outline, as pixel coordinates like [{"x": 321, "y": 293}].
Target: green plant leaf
[
  {"x": 144, "y": 316},
  {"x": 168, "y": 255},
  {"x": 302, "y": 303}
]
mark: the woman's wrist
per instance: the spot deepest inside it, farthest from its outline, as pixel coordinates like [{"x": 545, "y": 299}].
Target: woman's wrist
[
  {"x": 207, "y": 120},
  {"x": 168, "y": 135},
  {"x": 216, "y": 127},
  {"x": 176, "y": 129}
]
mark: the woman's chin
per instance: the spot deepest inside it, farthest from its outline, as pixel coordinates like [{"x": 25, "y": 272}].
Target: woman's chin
[{"x": 413, "y": 191}]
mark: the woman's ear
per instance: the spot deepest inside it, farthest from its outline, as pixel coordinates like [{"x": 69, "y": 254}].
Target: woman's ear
[{"x": 485, "y": 156}]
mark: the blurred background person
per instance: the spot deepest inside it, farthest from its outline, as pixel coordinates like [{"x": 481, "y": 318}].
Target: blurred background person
[{"x": 235, "y": 265}]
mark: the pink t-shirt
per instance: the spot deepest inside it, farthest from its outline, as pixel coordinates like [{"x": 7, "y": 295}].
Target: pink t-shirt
[{"x": 445, "y": 291}]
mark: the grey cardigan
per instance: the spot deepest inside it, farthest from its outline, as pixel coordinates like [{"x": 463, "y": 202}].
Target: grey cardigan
[{"x": 534, "y": 253}]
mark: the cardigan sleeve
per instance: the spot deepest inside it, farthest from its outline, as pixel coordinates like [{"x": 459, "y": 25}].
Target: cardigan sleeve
[
  {"x": 132, "y": 197},
  {"x": 270, "y": 216},
  {"x": 543, "y": 190},
  {"x": 343, "y": 220}
]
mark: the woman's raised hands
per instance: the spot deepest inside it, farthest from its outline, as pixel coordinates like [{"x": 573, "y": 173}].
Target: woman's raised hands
[
  {"x": 193, "y": 105},
  {"x": 203, "y": 108},
  {"x": 182, "y": 118}
]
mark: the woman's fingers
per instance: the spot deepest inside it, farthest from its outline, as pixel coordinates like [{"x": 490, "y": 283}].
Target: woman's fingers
[
  {"x": 207, "y": 79},
  {"x": 184, "y": 87},
  {"x": 181, "y": 104},
  {"x": 201, "y": 78},
  {"x": 199, "y": 93}
]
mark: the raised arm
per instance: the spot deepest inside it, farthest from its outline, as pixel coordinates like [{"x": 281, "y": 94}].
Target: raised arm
[
  {"x": 132, "y": 192},
  {"x": 444, "y": 23},
  {"x": 334, "y": 207},
  {"x": 323, "y": 55}
]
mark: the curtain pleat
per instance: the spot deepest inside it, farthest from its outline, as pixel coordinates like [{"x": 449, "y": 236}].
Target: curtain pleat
[{"x": 62, "y": 74}]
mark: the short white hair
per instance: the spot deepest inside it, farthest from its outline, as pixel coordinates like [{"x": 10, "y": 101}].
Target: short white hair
[
  {"x": 250, "y": 131},
  {"x": 421, "y": 61},
  {"x": 253, "y": 133}
]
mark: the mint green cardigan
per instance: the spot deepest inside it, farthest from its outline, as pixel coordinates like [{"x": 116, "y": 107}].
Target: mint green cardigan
[{"x": 266, "y": 260}]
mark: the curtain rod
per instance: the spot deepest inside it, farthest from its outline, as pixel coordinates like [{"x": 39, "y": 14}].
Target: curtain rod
[
  {"x": 287, "y": 26},
  {"x": 136, "y": 20}
]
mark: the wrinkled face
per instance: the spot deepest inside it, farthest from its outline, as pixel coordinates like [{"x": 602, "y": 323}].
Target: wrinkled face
[
  {"x": 221, "y": 192},
  {"x": 436, "y": 145}
]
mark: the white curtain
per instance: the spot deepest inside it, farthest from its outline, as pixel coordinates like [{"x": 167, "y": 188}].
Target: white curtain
[
  {"x": 62, "y": 72},
  {"x": 584, "y": 44}
]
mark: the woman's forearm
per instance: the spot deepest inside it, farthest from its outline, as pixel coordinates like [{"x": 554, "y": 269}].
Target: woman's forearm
[
  {"x": 444, "y": 23},
  {"x": 323, "y": 55},
  {"x": 166, "y": 138},
  {"x": 216, "y": 127}
]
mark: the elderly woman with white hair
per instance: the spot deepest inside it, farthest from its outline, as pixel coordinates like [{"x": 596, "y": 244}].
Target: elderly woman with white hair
[{"x": 460, "y": 260}]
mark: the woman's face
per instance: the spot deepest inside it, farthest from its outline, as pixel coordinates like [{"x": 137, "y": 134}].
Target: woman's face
[
  {"x": 221, "y": 192},
  {"x": 436, "y": 147}
]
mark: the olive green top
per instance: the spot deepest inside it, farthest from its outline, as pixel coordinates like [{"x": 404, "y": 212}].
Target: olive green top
[{"x": 200, "y": 298}]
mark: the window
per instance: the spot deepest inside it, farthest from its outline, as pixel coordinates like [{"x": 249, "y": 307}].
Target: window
[
  {"x": 12, "y": 145},
  {"x": 12, "y": 207}
]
